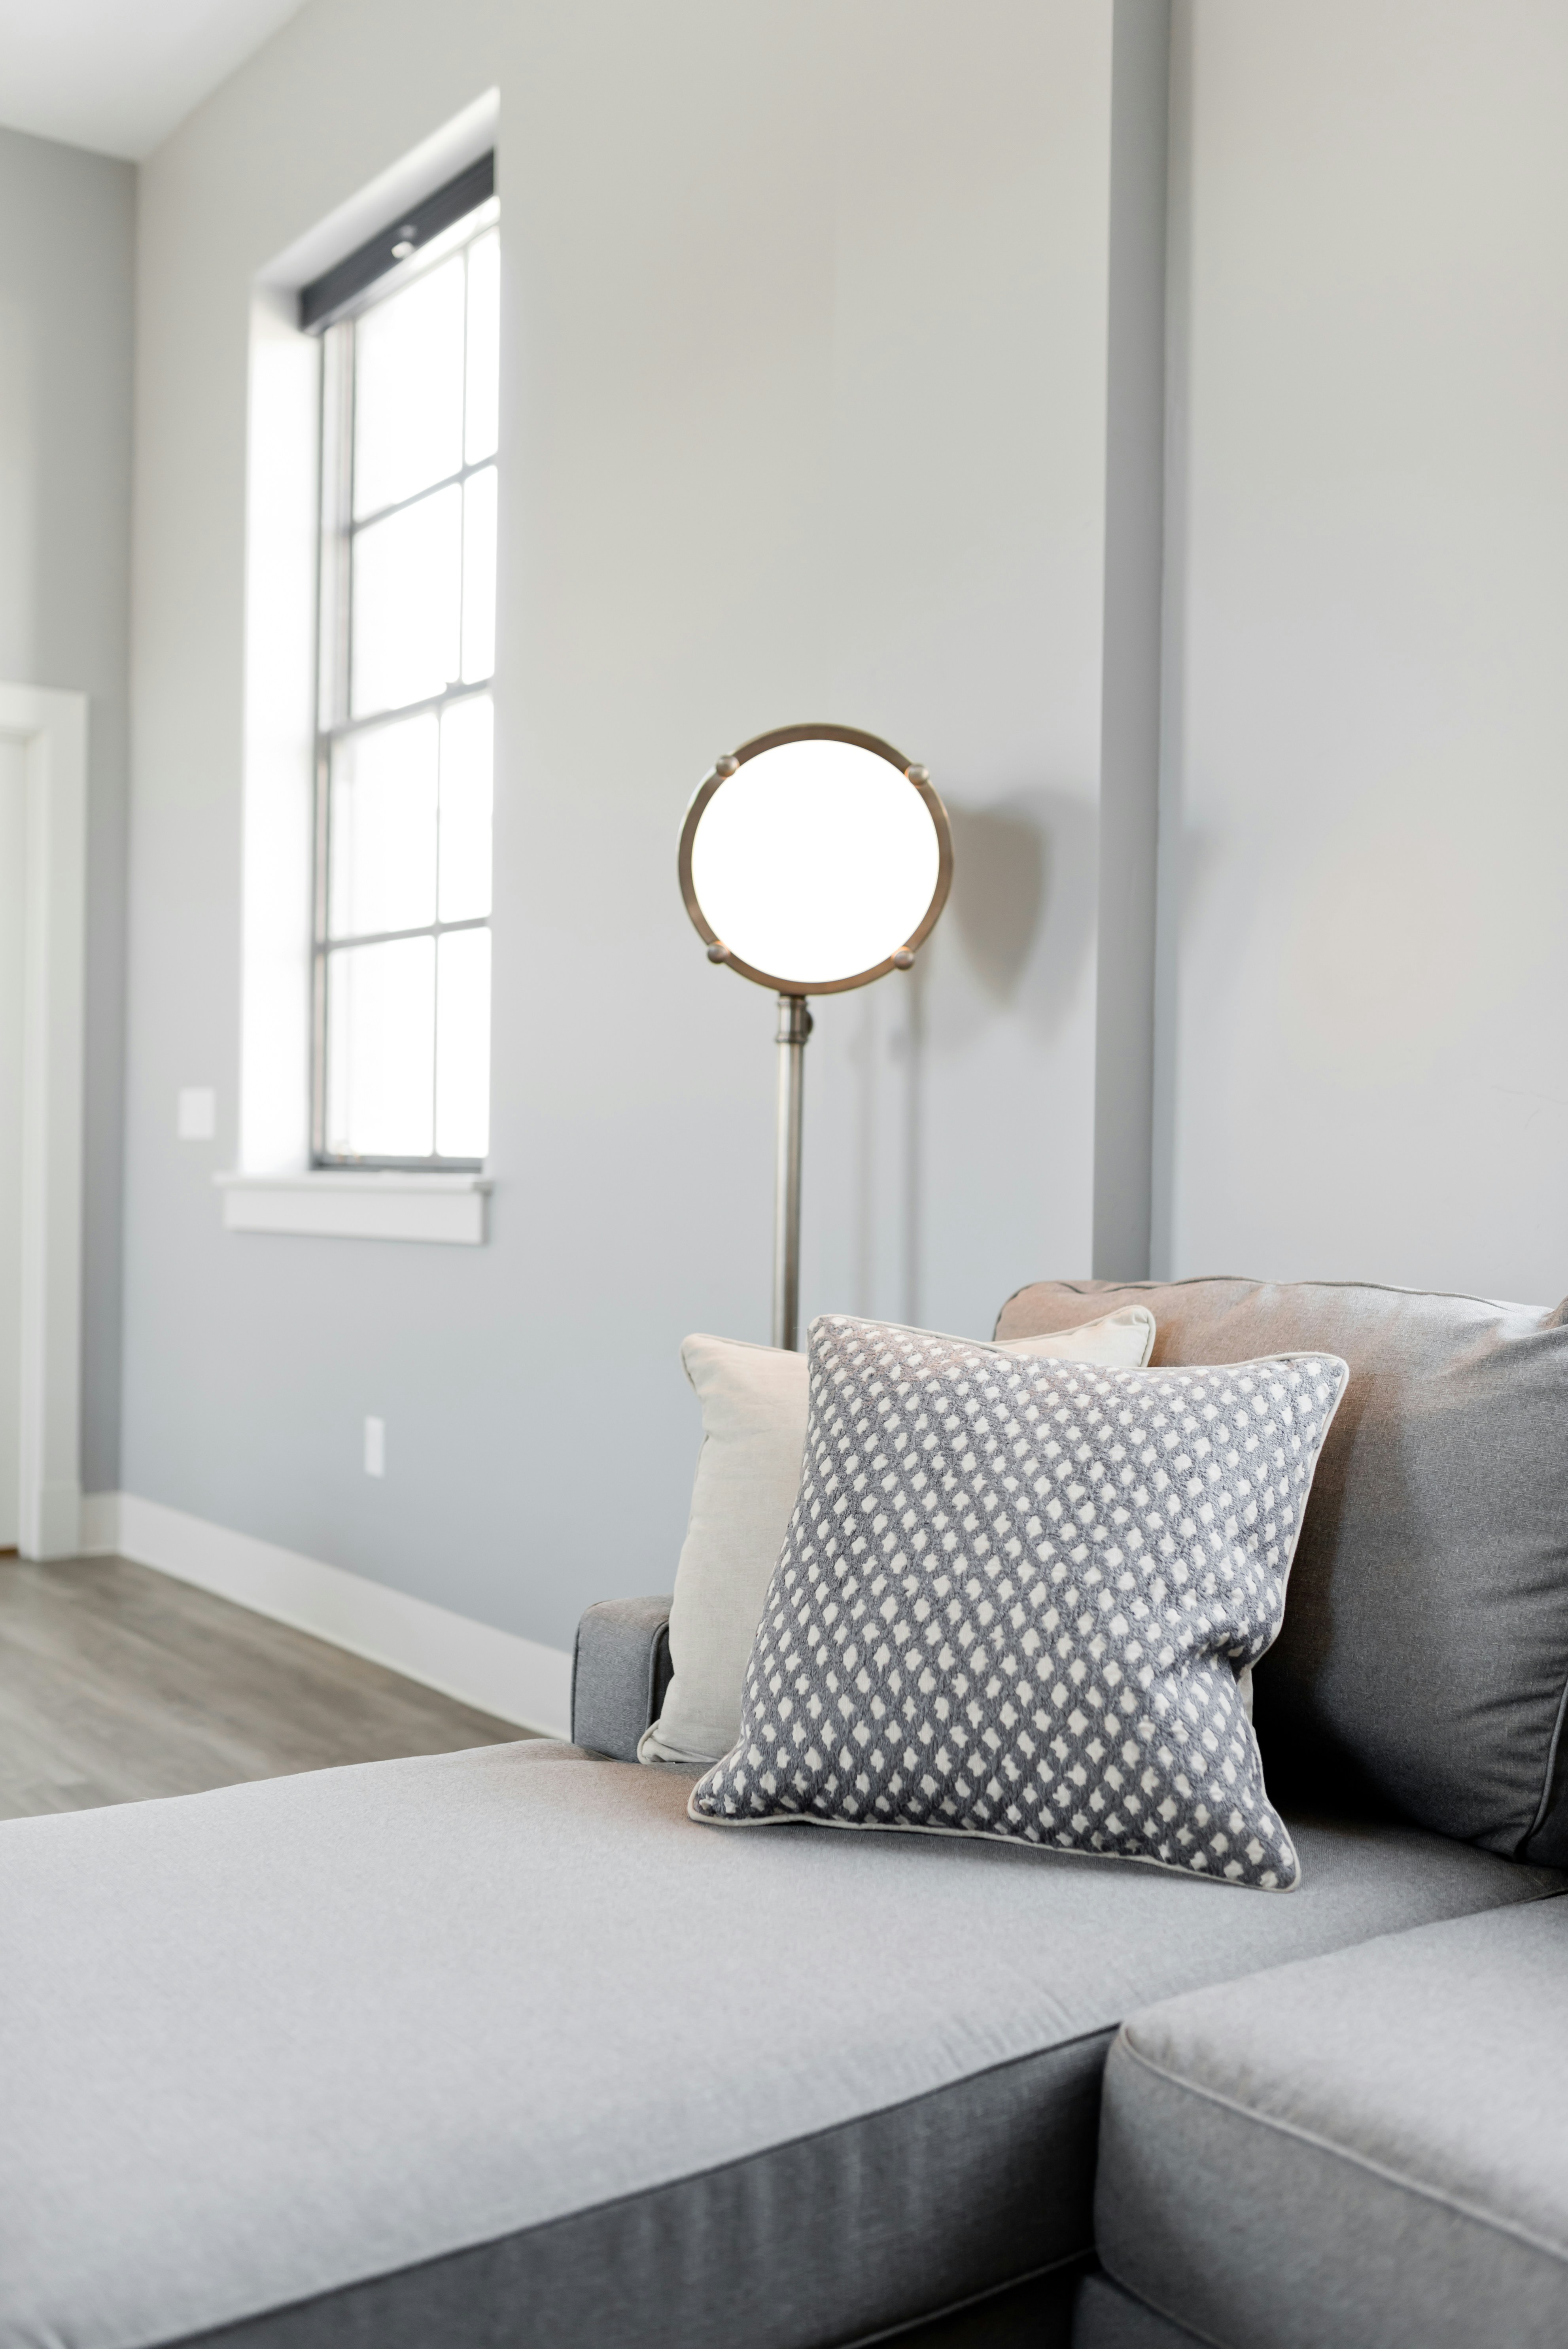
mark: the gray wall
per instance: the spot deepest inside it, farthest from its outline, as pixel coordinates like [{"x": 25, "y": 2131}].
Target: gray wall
[
  {"x": 805, "y": 407},
  {"x": 835, "y": 381},
  {"x": 1365, "y": 953},
  {"x": 66, "y": 297}
]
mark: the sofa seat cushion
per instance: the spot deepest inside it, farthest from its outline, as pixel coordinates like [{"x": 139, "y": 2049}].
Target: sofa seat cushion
[
  {"x": 506, "y": 2028},
  {"x": 1423, "y": 1665},
  {"x": 1367, "y": 2148}
]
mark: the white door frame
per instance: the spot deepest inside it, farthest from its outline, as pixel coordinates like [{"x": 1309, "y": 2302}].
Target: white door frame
[{"x": 52, "y": 728}]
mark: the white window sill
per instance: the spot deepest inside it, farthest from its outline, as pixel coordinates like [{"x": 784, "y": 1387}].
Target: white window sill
[{"x": 326, "y": 1204}]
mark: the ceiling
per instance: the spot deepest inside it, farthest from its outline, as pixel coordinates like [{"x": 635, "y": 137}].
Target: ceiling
[{"x": 118, "y": 75}]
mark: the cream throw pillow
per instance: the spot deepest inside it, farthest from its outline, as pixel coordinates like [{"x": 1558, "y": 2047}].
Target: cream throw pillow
[{"x": 748, "y": 1475}]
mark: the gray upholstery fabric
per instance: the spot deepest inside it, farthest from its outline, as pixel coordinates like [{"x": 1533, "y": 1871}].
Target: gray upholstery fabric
[
  {"x": 259, "y": 2045},
  {"x": 1424, "y": 1659},
  {"x": 1369, "y": 2148},
  {"x": 1106, "y": 2317},
  {"x": 620, "y": 1671},
  {"x": 903, "y": 2211}
]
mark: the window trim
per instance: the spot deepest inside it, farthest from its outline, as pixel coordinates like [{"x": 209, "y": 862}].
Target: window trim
[{"x": 344, "y": 1203}]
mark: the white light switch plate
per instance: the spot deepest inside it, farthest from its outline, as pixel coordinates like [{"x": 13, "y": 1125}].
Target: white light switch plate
[
  {"x": 375, "y": 1447},
  {"x": 196, "y": 1115}
]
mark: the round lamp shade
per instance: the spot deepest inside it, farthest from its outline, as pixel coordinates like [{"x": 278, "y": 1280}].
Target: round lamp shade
[{"x": 815, "y": 859}]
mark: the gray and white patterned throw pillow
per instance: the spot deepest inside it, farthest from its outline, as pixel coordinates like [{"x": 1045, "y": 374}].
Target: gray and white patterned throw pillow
[{"x": 1014, "y": 1596}]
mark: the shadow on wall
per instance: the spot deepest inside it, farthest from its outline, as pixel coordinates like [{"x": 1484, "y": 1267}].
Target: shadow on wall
[
  {"x": 1023, "y": 910},
  {"x": 1006, "y": 962}
]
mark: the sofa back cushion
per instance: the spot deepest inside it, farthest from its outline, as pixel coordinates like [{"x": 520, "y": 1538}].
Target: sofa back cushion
[{"x": 1423, "y": 1665}]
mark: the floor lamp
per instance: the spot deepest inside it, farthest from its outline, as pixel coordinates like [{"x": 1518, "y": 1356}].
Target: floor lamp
[{"x": 812, "y": 860}]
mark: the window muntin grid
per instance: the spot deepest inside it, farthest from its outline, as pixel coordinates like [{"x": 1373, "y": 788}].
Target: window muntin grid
[{"x": 405, "y": 721}]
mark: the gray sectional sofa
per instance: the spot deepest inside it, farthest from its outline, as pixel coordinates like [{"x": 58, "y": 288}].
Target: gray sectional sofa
[{"x": 501, "y": 2051}]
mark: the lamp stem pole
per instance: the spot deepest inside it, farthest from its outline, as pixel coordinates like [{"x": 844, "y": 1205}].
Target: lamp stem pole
[{"x": 794, "y": 1027}]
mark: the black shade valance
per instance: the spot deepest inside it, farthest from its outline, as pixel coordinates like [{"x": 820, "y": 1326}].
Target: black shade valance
[{"x": 321, "y": 300}]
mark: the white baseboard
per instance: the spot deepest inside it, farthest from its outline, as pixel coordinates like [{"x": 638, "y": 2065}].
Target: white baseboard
[
  {"x": 100, "y": 1523},
  {"x": 518, "y": 1680}
]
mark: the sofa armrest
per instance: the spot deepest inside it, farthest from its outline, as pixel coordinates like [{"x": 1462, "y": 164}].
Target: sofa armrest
[{"x": 620, "y": 1671}]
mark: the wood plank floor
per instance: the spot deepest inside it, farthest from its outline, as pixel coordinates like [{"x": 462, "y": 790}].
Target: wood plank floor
[{"x": 117, "y": 1684}]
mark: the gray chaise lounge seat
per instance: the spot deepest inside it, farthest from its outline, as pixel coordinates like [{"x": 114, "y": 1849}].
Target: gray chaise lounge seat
[
  {"x": 499, "y": 2048},
  {"x": 1368, "y": 2147}
]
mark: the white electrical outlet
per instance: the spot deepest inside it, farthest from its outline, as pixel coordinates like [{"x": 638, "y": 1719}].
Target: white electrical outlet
[
  {"x": 196, "y": 1113},
  {"x": 375, "y": 1447}
]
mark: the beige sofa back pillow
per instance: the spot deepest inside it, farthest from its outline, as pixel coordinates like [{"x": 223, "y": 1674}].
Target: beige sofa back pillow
[{"x": 748, "y": 1473}]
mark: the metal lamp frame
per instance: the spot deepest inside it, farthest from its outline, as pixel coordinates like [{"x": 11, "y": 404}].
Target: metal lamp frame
[{"x": 794, "y": 1018}]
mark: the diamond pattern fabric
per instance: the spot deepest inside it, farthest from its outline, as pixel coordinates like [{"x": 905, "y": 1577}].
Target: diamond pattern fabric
[{"x": 1014, "y": 1596}]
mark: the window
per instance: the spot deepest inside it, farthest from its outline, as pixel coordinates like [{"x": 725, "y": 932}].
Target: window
[{"x": 404, "y": 724}]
